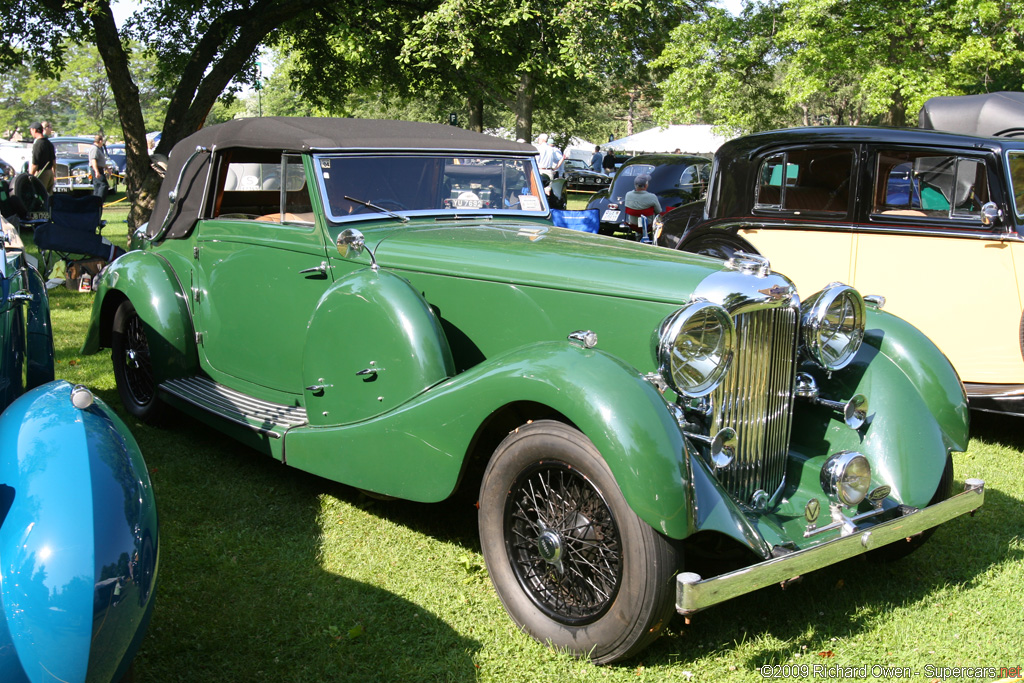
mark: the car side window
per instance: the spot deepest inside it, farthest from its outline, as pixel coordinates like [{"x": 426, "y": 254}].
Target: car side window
[
  {"x": 929, "y": 185},
  {"x": 805, "y": 181},
  {"x": 268, "y": 187},
  {"x": 1016, "y": 160}
]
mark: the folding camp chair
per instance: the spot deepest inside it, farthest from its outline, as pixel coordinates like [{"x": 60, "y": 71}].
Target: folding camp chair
[
  {"x": 585, "y": 220},
  {"x": 73, "y": 230},
  {"x": 641, "y": 216}
]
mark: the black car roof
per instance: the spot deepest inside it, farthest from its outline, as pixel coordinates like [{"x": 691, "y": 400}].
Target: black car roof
[
  {"x": 751, "y": 144},
  {"x": 308, "y": 135},
  {"x": 315, "y": 134}
]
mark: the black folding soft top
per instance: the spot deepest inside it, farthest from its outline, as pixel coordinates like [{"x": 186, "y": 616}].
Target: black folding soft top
[
  {"x": 295, "y": 134},
  {"x": 997, "y": 114}
]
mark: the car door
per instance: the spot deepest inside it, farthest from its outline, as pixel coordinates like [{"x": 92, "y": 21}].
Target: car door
[
  {"x": 923, "y": 247},
  {"x": 261, "y": 267},
  {"x": 802, "y": 205}
]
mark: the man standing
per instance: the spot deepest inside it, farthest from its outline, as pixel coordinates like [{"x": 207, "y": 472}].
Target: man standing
[
  {"x": 550, "y": 159},
  {"x": 44, "y": 157},
  {"x": 609, "y": 162},
  {"x": 98, "y": 168},
  {"x": 597, "y": 159}
]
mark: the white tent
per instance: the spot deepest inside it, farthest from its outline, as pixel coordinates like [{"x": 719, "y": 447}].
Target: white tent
[{"x": 689, "y": 139}]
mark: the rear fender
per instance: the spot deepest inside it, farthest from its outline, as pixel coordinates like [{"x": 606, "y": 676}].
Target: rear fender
[
  {"x": 160, "y": 300},
  {"x": 357, "y": 371}
]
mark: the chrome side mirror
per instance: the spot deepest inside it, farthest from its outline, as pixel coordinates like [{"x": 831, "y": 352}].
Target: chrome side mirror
[
  {"x": 990, "y": 214},
  {"x": 351, "y": 243}
]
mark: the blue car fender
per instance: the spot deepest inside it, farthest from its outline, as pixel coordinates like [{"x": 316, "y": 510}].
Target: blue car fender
[{"x": 79, "y": 541}]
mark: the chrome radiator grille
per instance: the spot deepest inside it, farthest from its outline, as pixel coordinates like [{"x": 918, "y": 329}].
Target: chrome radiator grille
[{"x": 756, "y": 399}]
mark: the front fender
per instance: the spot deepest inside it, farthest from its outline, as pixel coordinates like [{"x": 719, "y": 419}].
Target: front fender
[
  {"x": 78, "y": 540},
  {"x": 417, "y": 450},
  {"x": 160, "y": 300},
  {"x": 917, "y": 413}
]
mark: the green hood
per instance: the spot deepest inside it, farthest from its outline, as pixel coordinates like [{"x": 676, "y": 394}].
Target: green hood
[{"x": 537, "y": 255}]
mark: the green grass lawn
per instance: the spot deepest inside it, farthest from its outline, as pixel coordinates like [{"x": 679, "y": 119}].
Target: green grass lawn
[{"x": 270, "y": 574}]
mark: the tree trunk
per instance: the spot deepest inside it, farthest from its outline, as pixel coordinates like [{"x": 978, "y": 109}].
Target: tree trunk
[
  {"x": 126, "y": 96},
  {"x": 476, "y": 113},
  {"x": 524, "y": 107}
]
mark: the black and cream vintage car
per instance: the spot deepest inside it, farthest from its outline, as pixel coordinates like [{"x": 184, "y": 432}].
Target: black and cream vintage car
[{"x": 931, "y": 221}]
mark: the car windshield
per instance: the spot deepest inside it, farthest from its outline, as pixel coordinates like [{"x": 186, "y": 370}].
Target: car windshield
[
  {"x": 71, "y": 147},
  {"x": 427, "y": 183}
]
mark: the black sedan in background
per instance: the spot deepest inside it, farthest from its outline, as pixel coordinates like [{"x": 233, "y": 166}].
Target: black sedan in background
[
  {"x": 675, "y": 178},
  {"x": 581, "y": 178}
]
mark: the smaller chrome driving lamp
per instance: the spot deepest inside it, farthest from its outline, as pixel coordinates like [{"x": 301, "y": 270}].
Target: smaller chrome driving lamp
[
  {"x": 854, "y": 411},
  {"x": 846, "y": 477}
]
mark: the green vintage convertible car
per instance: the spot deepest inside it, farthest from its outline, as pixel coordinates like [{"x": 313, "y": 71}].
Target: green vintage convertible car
[{"x": 387, "y": 304}]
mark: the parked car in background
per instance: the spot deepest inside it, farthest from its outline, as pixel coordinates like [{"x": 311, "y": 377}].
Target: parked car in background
[
  {"x": 675, "y": 178},
  {"x": 579, "y": 177},
  {"x": 79, "y": 540},
  {"x": 623, "y": 413},
  {"x": 930, "y": 221},
  {"x": 118, "y": 163},
  {"x": 16, "y": 154},
  {"x": 73, "y": 173},
  {"x": 7, "y": 172}
]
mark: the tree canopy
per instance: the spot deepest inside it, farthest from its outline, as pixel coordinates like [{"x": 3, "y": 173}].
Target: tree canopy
[{"x": 785, "y": 62}]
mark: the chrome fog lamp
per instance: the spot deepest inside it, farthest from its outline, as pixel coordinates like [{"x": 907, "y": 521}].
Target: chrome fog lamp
[
  {"x": 846, "y": 476},
  {"x": 832, "y": 326},
  {"x": 695, "y": 347}
]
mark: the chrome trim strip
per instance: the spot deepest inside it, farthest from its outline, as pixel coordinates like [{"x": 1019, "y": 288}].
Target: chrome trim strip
[
  {"x": 694, "y": 594},
  {"x": 236, "y": 407},
  {"x": 800, "y": 224},
  {"x": 994, "y": 390}
]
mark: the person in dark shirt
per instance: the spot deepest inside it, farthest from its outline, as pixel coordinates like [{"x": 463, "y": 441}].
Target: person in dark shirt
[
  {"x": 44, "y": 157},
  {"x": 609, "y": 162}
]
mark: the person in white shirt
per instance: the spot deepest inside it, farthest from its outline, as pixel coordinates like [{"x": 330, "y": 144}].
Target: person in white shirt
[{"x": 550, "y": 159}]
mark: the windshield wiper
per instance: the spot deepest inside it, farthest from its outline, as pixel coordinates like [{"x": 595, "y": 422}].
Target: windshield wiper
[{"x": 377, "y": 208}]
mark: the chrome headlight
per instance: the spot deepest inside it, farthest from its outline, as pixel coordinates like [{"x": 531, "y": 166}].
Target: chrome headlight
[
  {"x": 695, "y": 348},
  {"x": 846, "y": 476},
  {"x": 832, "y": 325}
]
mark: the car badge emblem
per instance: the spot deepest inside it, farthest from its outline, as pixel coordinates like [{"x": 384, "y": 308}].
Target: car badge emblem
[{"x": 776, "y": 292}]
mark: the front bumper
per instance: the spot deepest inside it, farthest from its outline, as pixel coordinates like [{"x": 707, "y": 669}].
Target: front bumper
[{"x": 694, "y": 593}]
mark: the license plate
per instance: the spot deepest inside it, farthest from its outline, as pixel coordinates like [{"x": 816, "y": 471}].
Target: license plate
[{"x": 610, "y": 216}]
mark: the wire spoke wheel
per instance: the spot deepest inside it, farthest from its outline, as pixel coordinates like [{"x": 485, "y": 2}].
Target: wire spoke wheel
[
  {"x": 133, "y": 365},
  {"x": 137, "y": 362},
  {"x": 563, "y": 543},
  {"x": 574, "y": 566}
]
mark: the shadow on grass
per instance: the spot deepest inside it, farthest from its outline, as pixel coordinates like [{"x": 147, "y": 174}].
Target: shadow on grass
[
  {"x": 1006, "y": 430},
  {"x": 242, "y": 593},
  {"x": 844, "y": 600}
]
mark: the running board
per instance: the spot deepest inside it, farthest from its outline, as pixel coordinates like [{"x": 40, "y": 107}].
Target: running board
[{"x": 263, "y": 417}]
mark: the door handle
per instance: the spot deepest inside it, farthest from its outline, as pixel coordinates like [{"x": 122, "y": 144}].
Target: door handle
[{"x": 316, "y": 270}]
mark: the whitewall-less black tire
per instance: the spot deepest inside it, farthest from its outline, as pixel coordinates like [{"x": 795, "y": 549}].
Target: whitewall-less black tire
[{"x": 572, "y": 563}]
